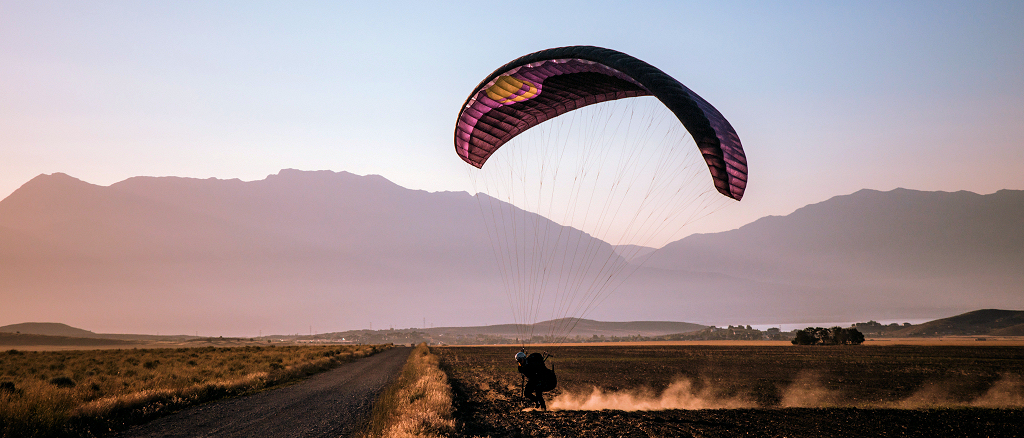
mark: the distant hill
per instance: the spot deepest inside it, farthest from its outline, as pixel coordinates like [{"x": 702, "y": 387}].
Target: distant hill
[
  {"x": 65, "y": 331},
  {"x": 581, "y": 327},
  {"x": 47, "y": 328},
  {"x": 979, "y": 322}
]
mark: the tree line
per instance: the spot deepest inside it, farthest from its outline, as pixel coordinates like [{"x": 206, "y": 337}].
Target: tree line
[{"x": 828, "y": 336}]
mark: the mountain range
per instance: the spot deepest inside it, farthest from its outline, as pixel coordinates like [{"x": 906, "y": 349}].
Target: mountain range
[{"x": 325, "y": 251}]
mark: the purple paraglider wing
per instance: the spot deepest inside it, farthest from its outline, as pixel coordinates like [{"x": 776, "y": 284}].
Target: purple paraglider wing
[{"x": 549, "y": 83}]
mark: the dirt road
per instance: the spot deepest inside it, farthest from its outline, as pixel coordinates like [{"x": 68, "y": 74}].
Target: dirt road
[{"x": 334, "y": 403}]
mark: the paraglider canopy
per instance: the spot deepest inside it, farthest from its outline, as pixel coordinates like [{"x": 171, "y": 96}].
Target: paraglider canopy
[
  {"x": 545, "y": 84},
  {"x": 583, "y": 160}
]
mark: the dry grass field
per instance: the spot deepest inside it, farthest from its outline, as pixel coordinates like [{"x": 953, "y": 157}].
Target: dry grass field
[
  {"x": 90, "y": 392},
  {"x": 417, "y": 405},
  {"x": 746, "y": 390}
]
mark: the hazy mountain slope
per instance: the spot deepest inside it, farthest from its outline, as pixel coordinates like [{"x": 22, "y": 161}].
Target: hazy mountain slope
[
  {"x": 898, "y": 233},
  {"x": 291, "y": 213},
  {"x": 978, "y": 322},
  {"x": 1013, "y": 330},
  {"x": 296, "y": 249},
  {"x": 901, "y": 252},
  {"x": 634, "y": 253}
]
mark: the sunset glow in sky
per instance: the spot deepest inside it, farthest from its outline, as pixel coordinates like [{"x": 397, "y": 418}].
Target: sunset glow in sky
[{"x": 828, "y": 97}]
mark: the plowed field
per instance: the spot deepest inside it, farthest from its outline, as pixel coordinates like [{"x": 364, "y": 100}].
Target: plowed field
[{"x": 725, "y": 391}]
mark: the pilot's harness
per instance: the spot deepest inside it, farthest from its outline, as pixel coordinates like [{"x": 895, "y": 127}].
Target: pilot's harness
[{"x": 523, "y": 376}]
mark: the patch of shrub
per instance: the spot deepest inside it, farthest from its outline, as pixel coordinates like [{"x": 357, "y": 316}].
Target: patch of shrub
[{"x": 62, "y": 382}]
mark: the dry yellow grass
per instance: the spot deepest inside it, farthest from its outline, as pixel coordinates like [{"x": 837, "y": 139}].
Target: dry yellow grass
[
  {"x": 74, "y": 393},
  {"x": 418, "y": 404}
]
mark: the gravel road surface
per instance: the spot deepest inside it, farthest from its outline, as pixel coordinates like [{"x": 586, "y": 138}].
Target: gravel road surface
[{"x": 334, "y": 403}]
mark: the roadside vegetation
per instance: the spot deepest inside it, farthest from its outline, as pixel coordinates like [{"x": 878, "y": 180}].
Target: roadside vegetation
[
  {"x": 92, "y": 392},
  {"x": 417, "y": 404}
]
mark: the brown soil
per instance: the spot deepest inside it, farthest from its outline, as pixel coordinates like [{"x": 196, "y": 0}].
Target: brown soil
[{"x": 851, "y": 391}]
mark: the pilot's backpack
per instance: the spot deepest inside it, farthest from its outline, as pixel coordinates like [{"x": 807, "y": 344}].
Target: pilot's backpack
[{"x": 546, "y": 379}]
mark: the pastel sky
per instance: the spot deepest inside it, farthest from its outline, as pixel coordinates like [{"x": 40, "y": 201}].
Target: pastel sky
[{"x": 828, "y": 97}]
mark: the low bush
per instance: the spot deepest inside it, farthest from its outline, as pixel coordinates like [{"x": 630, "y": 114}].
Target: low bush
[{"x": 62, "y": 382}]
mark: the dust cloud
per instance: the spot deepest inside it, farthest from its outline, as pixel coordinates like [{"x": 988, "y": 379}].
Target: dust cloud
[
  {"x": 806, "y": 391},
  {"x": 930, "y": 395},
  {"x": 1007, "y": 392},
  {"x": 681, "y": 394}
]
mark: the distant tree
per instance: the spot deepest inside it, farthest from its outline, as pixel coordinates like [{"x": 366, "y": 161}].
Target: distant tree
[
  {"x": 824, "y": 336},
  {"x": 839, "y": 336},
  {"x": 804, "y": 337},
  {"x": 856, "y": 337}
]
